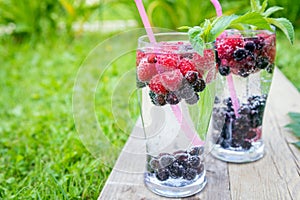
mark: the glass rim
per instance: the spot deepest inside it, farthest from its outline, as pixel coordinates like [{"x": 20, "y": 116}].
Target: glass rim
[
  {"x": 252, "y": 30},
  {"x": 145, "y": 41}
]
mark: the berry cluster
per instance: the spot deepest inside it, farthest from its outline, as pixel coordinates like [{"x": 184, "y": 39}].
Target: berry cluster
[
  {"x": 172, "y": 77},
  {"x": 241, "y": 131},
  {"x": 245, "y": 55},
  {"x": 180, "y": 164}
]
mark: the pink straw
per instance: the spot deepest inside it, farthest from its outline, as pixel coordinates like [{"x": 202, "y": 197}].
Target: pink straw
[
  {"x": 229, "y": 78},
  {"x": 176, "y": 110}
]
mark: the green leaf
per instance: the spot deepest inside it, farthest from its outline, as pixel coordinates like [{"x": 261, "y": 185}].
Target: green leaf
[
  {"x": 184, "y": 28},
  {"x": 198, "y": 44},
  {"x": 285, "y": 26},
  {"x": 219, "y": 25},
  {"x": 255, "y": 5},
  {"x": 196, "y": 41},
  {"x": 253, "y": 18},
  {"x": 207, "y": 26},
  {"x": 297, "y": 144},
  {"x": 294, "y": 116},
  {"x": 263, "y": 6},
  {"x": 272, "y": 10},
  {"x": 295, "y": 127}
]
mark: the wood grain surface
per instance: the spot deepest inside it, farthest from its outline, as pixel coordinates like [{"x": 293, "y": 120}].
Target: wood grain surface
[{"x": 274, "y": 177}]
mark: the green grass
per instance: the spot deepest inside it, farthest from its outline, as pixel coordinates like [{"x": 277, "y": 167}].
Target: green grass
[{"x": 41, "y": 154}]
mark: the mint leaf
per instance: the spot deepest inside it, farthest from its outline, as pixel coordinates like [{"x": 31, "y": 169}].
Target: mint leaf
[
  {"x": 198, "y": 44},
  {"x": 207, "y": 26},
  {"x": 255, "y": 5},
  {"x": 297, "y": 144},
  {"x": 263, "y": 6},
  {"x": 196, "y": 40},
  {"x": 272, "y": 10},
  {"x": 294, "y": 116},
  {"x": 219, "y": 25},
  {"x": 285, "y": 25},
  {"x": 254, "y": 19},
  {"x": 295, "y": 127},
  {"x": 184, "y": 28}
]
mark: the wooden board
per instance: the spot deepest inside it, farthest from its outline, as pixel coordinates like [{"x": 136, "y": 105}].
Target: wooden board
[{"x": 276, "y": 176}]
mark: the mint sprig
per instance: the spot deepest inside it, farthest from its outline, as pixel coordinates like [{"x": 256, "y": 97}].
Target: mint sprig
[
  {"x": 294, "y": 126},
  {"x": 257, "y": 18},
  {"x": 282, "y": 23}
]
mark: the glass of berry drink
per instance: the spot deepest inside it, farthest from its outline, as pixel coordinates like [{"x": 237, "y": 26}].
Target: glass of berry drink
[
  {"x": 176, "y": 88},
  {"x": 248, "y": 56}
]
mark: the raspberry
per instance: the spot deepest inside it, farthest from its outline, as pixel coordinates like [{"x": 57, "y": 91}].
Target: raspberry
[
  {"x": 227, "y": 46},
  {"x": 156, "y": 85},
  {"x": 186, "y": 65},
  {"x": 139, "y": 56},
  {"x": 145, "y": 71},
  {"x": 205, "y": 62},
  {"x": 167, "y": 61},
  {"x": 171, "y": 80}
]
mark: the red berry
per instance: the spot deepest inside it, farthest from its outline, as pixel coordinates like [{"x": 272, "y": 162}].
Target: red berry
[
  {"x": 171, "y": 80},
  {"x": 152, "y": 58},
  {"x": 226, "y": 46},
  {"x": 156, "y": 85},
  {"x": 145, "y": 71},
  {"x": 186, "y": 65},
  {"x": 167, "y": 62},
  {"x": 205, "y": 62},
  {"x": 139, "y": 56}
]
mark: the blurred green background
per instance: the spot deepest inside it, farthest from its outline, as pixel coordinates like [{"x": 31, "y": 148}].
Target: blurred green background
[{"x": 42, "y": 44}]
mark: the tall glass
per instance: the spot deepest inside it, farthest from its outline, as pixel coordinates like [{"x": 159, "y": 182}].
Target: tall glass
[
  {"x": 176, "y": 92},
  {"x": 248, "y": 56}
]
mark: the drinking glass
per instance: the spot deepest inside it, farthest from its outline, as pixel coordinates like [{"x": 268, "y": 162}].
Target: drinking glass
[
  {"x": 248, "y": 57},
  {"x": 176, "y": 90}
]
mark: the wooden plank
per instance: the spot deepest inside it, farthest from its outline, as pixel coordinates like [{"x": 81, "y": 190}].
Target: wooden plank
[
  {"x": 126, "y": 179},
  {"x": 276, "y": 176}
]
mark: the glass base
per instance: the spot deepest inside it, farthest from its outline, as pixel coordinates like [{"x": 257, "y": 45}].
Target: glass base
[
  {"x": 256, "y": 152},
  {"x": 175, "y": 187}
]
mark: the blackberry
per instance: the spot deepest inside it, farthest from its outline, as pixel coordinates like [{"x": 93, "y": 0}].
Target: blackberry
[
  {"x": 200, "y": 169},
  {"x": 152, "y": 58},
  {"x": 259, "y": 43},
  {"x": 199, "y": 85},
  {"x": 235, "y": 143},
  {"x": 193, "y": 100},
  {"x": 239, "y": 54},
  {"x": 190, "y": 174},
  {"x": 162, "y": 174},
  {"x": 224, "y": 70},
  {"x": 154, "y": 164},
  {"x": 194, "y": 161},
  {"x": 182, "y": 159},
  {"x": 196, "y": 150},
  {"x": 176, "y": 170},
  {"x": 244, "y": 73},
  {"x": 157, "y": 99},
  {"x": 225, "y": 144},
  {"x": 172, "y": 98},
  {"x": 250, "y": 46},
  {"x": 191, "y": 77},
  {"x": 250, "y": 135},
  {"x": 186, "y": 91},
  {"x": 270, "y": 68},
  {"x": 262, "y": 62},
  {"x": 246, "y": 145},
  {"x": 140, "y": 84},
  {"x": 166, "y": 160}
]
